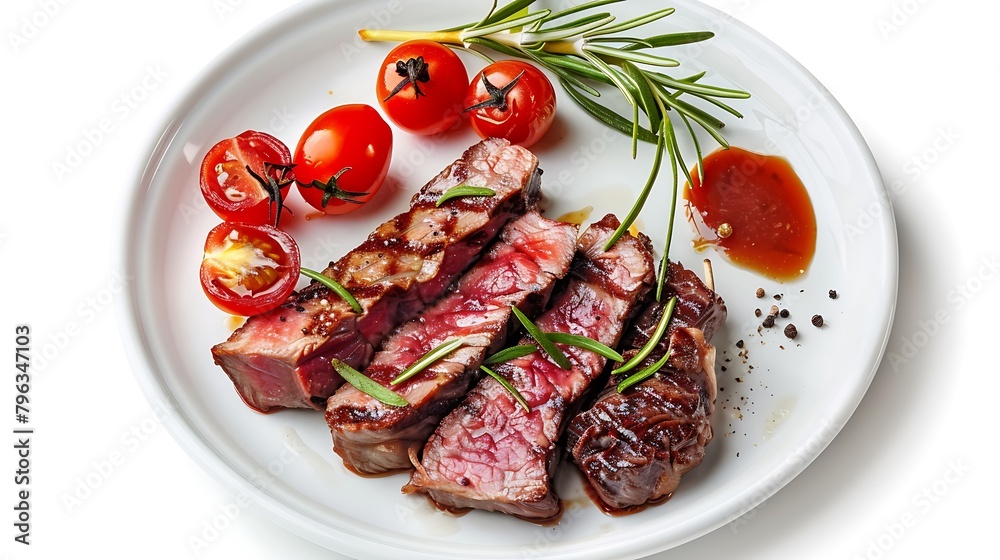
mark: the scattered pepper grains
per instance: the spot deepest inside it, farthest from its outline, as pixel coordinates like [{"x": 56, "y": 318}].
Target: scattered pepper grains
[
  {"x": 777, "y": 297},
  {"x": 739, "y": 343},
  {"x": 833, "y": 294},
  {"x": 784, "y": 314},
  {"x": 817, "y": 320},
  {"x": 760, "y": 293},
  {"x": 791, "y": 331},
  {"x": 757, "y": 312},
  {"x": 773, "y": 310},
  {"x": 768, "y": 322}
]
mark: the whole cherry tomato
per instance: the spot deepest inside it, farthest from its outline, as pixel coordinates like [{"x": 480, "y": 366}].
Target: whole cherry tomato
[
  {"x": 511, "y": 99},
  {"x": 342, "y": 158},
  {"x": 421, "y": 86}
]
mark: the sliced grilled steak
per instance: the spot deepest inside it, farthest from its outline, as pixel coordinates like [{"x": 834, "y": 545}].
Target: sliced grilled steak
[
  {"x": 697, "y": 306},
  {"x": 633, "y": 447},
  {"x": 282, "y": 358},
  {"x": 489, "y": 453},
  {"x": 520, "y": 270}
]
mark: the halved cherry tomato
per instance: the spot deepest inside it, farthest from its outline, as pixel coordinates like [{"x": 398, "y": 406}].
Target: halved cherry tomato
[
  {"x": 421, "y": 86},
  {"x": 343, "y": 158},
  {"x": 511, "y": 99},
  {"x": 249, "y": 269},
  {"x": 245, "y": 178}
]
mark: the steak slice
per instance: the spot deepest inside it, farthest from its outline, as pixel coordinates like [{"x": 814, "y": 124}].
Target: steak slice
[
  {"x": 633, "y": 447},
  {"x": 282, "y": 358},
  {"x": 489, "y": 453},
  {"x": 520, "y": 270}
]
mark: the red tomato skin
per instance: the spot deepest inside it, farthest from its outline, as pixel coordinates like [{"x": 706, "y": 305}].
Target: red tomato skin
[
  {"x": 274, "y": 295},
  {"x": 352, "y": 136},
  {"x": 440, "y": 107},
  {"x": 251, "y": 148},
  {"x": 531, "y": 104}
]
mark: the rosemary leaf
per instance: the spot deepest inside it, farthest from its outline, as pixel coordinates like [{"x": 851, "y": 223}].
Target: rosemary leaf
[
  {"x": 565, "y": 75},
  {"x": 579, "y": 24},
  {"x": 668, "y": 129},
  {"x": 580, "y": 8},
  {"x": 634, "y": 42},
  {"x": 333, "y": 285},
  {"x": 498, "y": 16},
  {"x": 438, "y": 352},
  {"x": 504, "y": 25},
  {"x": 697, "y": 150},
  {"x": 551, "y": 349},
  {"x": 586, "y": 343},
  {"x": 510, "y": 353},
  {"x": 674, "y": 39},
  {"x": 613, "y": 75},
  {"x": 464, "y": 190},
  {"x": 673, "y": 103},
  {"x": 547, "y": 35},
  {"x": 634, "y": 56},
  {"x": 574, "y": 64},
  {"x": 607, "y": 116},
  {"x": 633, "y": 23},
  {"x": 510, "y": 388},
  {"x": 661, "y": 328},
  {"x": 718, "y": 104},
  {"x": 646, "y": 95},
  {"x": 367, "y": 385},
  {"x": 643, "y": 195},
  {"x": 700, "y": 88},
  {"x": 642, "y": 375}
]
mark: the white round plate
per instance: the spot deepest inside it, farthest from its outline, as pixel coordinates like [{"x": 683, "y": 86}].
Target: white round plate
[{"x": 779, "y": 407}]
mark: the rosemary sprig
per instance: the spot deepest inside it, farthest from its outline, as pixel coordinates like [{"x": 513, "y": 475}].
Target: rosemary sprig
[
  {"x": 661, "y": 328},
  {"x": 543, "y": 341},
  {"x": 642, "y": 375},
  {"x": 368, "y": 386},
  {"x": 510, "y": 388},
  {"x": 429, "y": 358},
  {"x": 508, "y": 354},
  {"x": 589, "y": 48},
  {"x": 464, "y": 190},
  {"x": 586, "y": 343},
  {"x": 333, "y": 285}
]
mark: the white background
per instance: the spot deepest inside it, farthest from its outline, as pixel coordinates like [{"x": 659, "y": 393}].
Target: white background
[{"x": 911, "y": 475}]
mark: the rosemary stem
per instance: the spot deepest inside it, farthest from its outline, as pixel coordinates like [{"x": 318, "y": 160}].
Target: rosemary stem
[
  {"x": 446, "y": 37},
  {"x": 562, "y": 47}
]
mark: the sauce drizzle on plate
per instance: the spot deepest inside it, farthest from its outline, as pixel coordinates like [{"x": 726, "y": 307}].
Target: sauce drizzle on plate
[{"x": 755, "y": 211}]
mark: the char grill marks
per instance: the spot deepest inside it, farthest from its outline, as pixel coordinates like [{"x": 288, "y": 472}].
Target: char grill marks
[
  {"x": 489, "y": 453},
  {"x": 520, "y": 270},
  {"x": 633, "y": 447},
  {"x": 282, "y": 358}
]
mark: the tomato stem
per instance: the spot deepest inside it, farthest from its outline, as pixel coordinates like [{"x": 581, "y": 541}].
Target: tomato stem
[
  {"x": 413, "y": 71},
  {"x": 498, "y": 96},
  {"x": 332, "y": 190}
]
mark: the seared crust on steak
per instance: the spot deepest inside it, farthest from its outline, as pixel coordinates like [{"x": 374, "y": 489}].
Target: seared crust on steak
[
  {"x": 491, "y": 454},
  {"x": 520, "y": 270},
  {"x": 282, "y": 358},
  {"x": 633, "y": 447}
]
